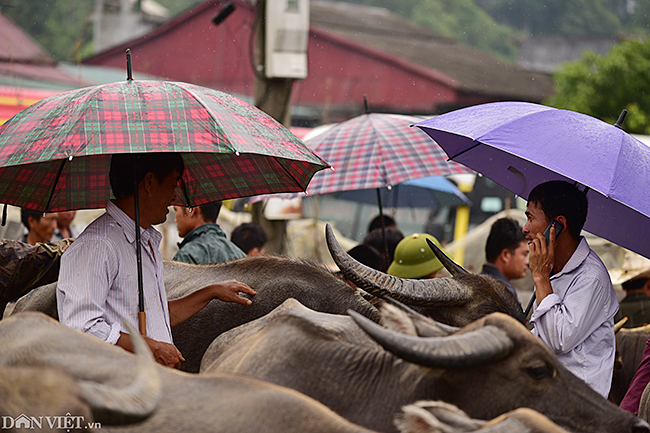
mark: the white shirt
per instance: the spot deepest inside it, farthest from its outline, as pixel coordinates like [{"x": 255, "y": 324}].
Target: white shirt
[
  {"x": 577, "y": 319},
  {"x": 98, "y": 280}
]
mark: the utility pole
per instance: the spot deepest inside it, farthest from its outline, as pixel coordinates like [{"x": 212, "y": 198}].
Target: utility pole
[{"x": 272, "y": 95}]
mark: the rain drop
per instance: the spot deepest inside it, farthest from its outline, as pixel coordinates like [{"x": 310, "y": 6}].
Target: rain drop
[
  {"x": 389, "y": 187},
  {"x": 237, "y": 153},
  {"x": 70, "y": 158},
  {"x": 516, "y": 196}
]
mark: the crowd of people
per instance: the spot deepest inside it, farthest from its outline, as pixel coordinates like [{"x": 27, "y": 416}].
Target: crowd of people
[{"x": 574, "y": 309}]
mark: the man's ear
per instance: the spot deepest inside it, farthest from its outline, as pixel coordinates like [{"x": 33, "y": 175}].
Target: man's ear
[
  {"x": 505, "y": 255},
  {"x": 31, "y": 220},
  {"x": 148, "y": 181}
]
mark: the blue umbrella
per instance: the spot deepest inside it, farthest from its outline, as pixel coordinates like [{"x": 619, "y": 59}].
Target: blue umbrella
[{"x": 426, "y": 192}]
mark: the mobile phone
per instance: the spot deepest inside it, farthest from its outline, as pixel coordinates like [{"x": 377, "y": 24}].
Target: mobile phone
[{"x": 558, "y": 229}]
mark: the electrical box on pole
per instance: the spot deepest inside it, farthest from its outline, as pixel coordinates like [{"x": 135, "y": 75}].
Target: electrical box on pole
[{"x": 287, "y": 37}]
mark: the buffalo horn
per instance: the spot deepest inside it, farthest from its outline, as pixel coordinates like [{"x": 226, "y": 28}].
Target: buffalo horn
[
  {"x": 457, "y": 351},
  {"x": 432, "y": 292},
  {"x": 447, "y": 329},
  {"x": 453, "y": 267},
  {"x": 134, "y": 402}
]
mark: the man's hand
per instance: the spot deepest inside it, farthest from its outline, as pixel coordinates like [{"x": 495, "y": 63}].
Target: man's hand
[
  {"x": 183, "y": 308},
  {"x": 228, "y": 291},
  {"x": 540, "y": 261},
  {"x": 164, "y": 353}
]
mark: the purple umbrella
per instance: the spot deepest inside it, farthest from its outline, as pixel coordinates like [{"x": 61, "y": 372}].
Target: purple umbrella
[{"x": 520, "y": 145}]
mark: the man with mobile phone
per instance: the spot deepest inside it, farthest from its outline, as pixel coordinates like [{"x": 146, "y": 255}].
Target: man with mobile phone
[{"x": 575, "y": 300}]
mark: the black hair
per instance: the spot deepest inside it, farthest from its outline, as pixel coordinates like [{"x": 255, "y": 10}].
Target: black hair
[
  {"x": 210, "y": 211},
  {"x": 161, "y": 164},
  {"x": 376, "y": 240},
  {"x": 634, "y": 284},
  {"x": 368, "y": 255},
  {"x": 248, "y": 236},
  {"x": 505, "y": 233},
  {"x": 376, "y": 222},
  {"x": 557, "y": 198},
  {"x": 26, "y": 213}
]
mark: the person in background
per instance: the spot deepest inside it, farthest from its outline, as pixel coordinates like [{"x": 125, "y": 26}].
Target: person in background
[
  {"x": 376, "y": 240},
  {"x": 576, "y": 302},
  {"x": 204, "y": 242},
  {"x": 634, "y": 278},
  {"x": 250, "y": 238},
  {"x": 40, "y": 226},
  {"x": 414, "y": 258},
  {"x": 366, "y": 255},
  {"x": 375, "y": 223},
  {"x": 64, "y": 228},
  {"x": 506, "y": 251}
]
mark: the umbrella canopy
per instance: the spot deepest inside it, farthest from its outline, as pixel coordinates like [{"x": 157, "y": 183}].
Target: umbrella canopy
[
  {"x": 520, "y": 145},
  {"x": 377, "y": 150},
  {"x": 55, "y": 155},
  {"x": 430, "y": 192}
]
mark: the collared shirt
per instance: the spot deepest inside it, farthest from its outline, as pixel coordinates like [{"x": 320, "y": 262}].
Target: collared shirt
[
  {"x": 493, "y": 271},
  {"x": 207, "y": 244},
  {"x": 98, "y": 281},
  {"x": 577, "y": 319}
]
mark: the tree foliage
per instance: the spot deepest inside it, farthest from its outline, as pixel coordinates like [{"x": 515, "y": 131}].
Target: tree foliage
[{"x": 602, "y": 86}]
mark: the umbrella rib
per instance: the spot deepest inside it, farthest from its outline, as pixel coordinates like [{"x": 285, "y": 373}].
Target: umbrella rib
[
  {"x": 56, "y": 181},
  {"x": 476, "y": 143}
]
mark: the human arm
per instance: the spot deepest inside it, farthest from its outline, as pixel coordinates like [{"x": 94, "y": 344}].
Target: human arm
[
  {"x": 540, "y": 262},
  {"x": 164, "y": 353},
  {"x": 183, "y": 308},
  {"x": 85, "y": 277},
  {"x": 565, "y": 322}
]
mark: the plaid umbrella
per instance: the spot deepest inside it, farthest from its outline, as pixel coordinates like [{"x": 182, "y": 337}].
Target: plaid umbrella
[
  {"x": 376, "y": 150},
  {"x": 55, "y": 155}
]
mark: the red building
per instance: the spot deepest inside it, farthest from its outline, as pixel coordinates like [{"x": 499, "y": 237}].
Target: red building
[{"x": 353, "y": 51}]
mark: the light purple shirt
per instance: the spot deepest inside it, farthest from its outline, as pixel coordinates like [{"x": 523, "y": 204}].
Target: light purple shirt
[
  {"x": 577, "y": 320},
  {"x": 98, "y": 280}
]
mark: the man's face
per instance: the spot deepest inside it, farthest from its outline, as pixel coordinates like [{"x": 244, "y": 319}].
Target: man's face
[
  {"x": 162, "y": 195},
  {"x": 183, "y": 220},
  {"x": 43, "y": 227},
  {"x": 536, "y": 221},
  {"x": 517, "y": 262}
]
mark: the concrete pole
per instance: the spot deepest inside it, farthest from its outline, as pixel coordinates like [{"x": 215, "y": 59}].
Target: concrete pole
[{"x": 272, "y": 95}]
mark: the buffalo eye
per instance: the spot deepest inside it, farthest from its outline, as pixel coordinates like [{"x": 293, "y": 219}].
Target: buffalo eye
[{"x": 539, "y": 373}]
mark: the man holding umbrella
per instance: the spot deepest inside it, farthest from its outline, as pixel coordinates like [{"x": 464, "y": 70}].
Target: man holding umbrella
[
  {"x": 97, "y": 282},
  {"x": 576, "y": 302}
]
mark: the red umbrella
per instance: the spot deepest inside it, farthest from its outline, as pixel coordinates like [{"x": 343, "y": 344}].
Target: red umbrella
[{"x": 55, "y": 155}]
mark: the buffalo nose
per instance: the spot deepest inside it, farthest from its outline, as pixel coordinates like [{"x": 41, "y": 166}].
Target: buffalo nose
[{"x": 640, "y": 426}]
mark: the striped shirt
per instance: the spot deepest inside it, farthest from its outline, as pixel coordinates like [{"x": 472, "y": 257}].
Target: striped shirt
[
  {"x": 98, "y": 280},
  {"x": 577, "y": 320}
]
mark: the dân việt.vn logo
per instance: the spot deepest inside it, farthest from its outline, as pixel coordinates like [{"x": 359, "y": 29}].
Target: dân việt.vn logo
[{"x": 67, "y": 422}]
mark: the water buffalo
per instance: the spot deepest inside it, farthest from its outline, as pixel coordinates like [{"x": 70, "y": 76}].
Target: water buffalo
[
  {"x": 440, "y": 417},
  {"x": 37, "y": 391},
  {"x": 487, "y": 368},
  {"x": 274, "y": 278},
  {"x": 187, "y": 402},
  {"x": 455, "y": 301}
]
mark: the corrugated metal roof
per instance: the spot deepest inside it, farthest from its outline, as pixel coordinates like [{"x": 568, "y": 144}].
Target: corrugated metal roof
[{"x": 474, "y": 71}]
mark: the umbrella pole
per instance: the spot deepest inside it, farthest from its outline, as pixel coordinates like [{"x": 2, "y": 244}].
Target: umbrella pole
[
  {"x": 142, "y": 321},
  {"x": 383, "y": 227}
]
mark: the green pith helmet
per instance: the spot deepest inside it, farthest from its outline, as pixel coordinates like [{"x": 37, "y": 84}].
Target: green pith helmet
[{"x": 413, "y": 257}]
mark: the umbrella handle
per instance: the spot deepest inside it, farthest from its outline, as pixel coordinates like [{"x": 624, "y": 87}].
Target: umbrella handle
[{"x": 142, "y": 323}]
